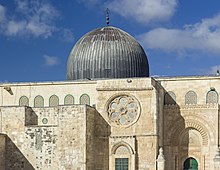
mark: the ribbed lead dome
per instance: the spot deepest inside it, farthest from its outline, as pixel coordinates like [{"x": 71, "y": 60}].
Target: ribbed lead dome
[{"x": 107, "y": 53}]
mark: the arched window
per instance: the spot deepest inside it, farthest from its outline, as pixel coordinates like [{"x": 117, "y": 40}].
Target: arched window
[
  {"x": 191, "y": 163},
  {"x": 84, "y": 99},
  {"x": 122, "y": 156},
  {"x": 212, "y": 97},
  {"x": 23, "y": 101},
  {"x": 53, "y": 101},
  {"x": 169, "y": 98},
  {"x": 69, "y": 100},
  {"x": 38, "y": 101},
  {"x": 122, "y": 150},
  {"x": 191, "y": 98}
]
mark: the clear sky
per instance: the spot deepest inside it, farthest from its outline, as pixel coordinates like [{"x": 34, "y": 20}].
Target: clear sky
[{"x": 179, "y": 37}]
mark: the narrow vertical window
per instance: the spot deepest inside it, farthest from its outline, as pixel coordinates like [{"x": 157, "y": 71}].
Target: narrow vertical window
[
  {"x": 23, "y": 101},
  {"x": 53, "y": 101},
  {"x": 191, "y": 98},
  {"x": 84, "y": 99},
  {"x": 69, "y": 100},
  {"x": 212, "y": 97},
  {"x": 38, "y": 101}
]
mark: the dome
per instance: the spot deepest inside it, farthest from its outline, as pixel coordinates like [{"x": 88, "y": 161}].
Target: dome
[{"x": 107, "y": 52}]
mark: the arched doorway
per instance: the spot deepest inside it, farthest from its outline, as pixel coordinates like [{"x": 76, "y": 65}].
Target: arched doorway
[{"x": 190, "y": 164}]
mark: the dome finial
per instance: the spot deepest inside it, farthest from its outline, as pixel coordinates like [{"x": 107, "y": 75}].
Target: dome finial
[{"x": 107, "y": 17}]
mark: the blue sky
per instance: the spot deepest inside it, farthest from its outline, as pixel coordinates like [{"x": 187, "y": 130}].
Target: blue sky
[{"x": 179, "y": 37}]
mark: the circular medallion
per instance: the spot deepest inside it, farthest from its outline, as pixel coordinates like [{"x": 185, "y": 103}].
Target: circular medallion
[
  {"x": 123, "y": 110},
  {"x": 44, "y": 120}
]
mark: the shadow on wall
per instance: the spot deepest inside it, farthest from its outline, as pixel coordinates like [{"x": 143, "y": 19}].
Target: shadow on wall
[
  {"x": 31, "y": 117},
  {"x": 175, "y": 134},
  {"x": 102, "y": 133},
  {"x": 136, "y": 155},
  {"x": 14, "y": 158}
]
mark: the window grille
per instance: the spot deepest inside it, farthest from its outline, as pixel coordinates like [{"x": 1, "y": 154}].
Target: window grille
[
  {"x": 191, "y": 98},
  {"x": 69, "y": 100},
  {"x": 53, "y": 101},
  {"x": 38, "y": 101},
  {"x": 23, "y": 101}
]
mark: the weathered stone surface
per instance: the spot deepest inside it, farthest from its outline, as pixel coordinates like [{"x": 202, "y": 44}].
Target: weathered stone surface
[
  {"x": 66, "y": 141},
  {"x": 80, "y": 137}
]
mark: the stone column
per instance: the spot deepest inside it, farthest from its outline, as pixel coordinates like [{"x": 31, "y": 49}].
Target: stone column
[
  {"x": 110, "y": 162},
  {"x": 133, "y": 161},
  {"x": 160, "y": 160},
  {"x": 217, "y": 160}
]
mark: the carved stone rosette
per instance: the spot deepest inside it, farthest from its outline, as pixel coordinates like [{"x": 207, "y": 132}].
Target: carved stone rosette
[{"x": 123, "y": 110}]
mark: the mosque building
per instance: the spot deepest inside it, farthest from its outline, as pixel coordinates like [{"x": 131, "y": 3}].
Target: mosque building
[{"x": 110, "y": 115}]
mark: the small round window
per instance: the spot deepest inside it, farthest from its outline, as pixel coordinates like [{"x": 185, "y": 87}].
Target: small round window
[
  {"x": 123, "y": 110},
  {"x": 44, "y": 120}
]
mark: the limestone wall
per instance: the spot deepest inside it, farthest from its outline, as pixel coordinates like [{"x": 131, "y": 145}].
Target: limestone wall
[
  {"x": 97, "y": 132},
  {"x": 191, "y": 124},
  {"x": 131, "y": 121},
  {"x": 12, "y": 92},
  {"x": 13, "y": 128},
  {"x": 137, "y": 139},
  {"x": 51, "y": 142},
  {"x": 2, "y": 151},
  {"x": 181, "y": 85}
]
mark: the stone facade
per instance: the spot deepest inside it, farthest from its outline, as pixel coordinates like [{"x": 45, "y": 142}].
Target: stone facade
[
  {"x": 90, "y": 125},
  {"x": 61, "y": 137}
]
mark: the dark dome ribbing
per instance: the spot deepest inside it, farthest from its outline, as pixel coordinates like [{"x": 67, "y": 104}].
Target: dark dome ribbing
[{"x": 107, "y": 53}]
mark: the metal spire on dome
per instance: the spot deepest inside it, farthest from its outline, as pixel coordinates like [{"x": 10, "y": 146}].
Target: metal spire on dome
[{"x": 107, "y": 17}]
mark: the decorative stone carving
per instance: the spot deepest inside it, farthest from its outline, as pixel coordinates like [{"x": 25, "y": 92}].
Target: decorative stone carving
[
  {"x": 160, "y": 160},
  {"x": 201, "y": 106},
  {"x": 123, "y": 110},
  {"x": 212, "y": 97},
  {"x": 191, "y": 98},
  {"x": 122, "y": 150},
  {"x": 44, "y": 120},
  {"x": 217, "y": 160}
]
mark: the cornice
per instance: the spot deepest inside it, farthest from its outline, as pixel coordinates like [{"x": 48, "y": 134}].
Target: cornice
[
  {"x": 191, "y": 107},
  {"x": 124, "y": 88}
]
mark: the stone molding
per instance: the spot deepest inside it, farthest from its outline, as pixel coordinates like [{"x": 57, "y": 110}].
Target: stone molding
[
  {"x": 124, "y": 88},
  {"x": 118, "y": 95},
  {"x": 202, "y": 106},
  {"x": 178, "y": 128},
  {"x": 191, "y": 106},
  {"x": 119, "y": 144}
]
